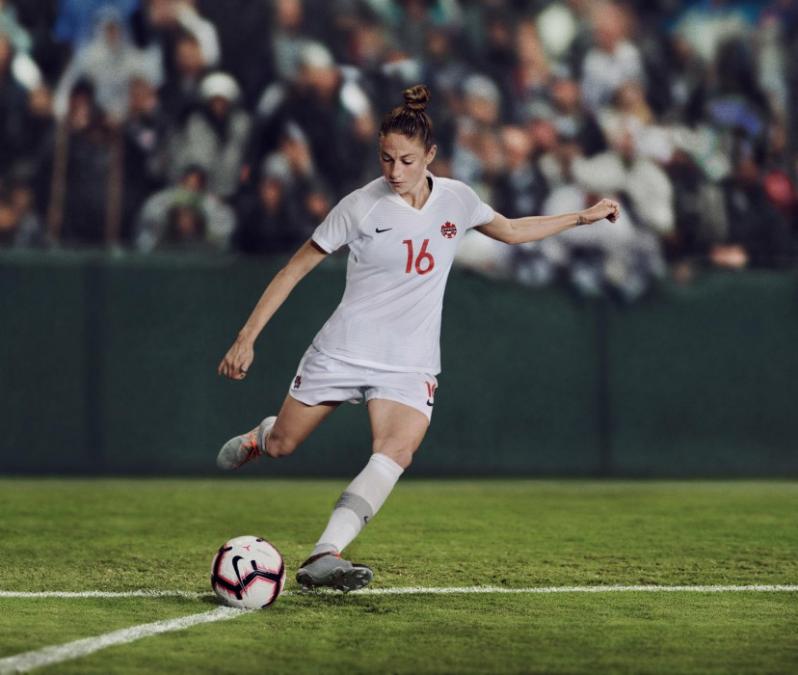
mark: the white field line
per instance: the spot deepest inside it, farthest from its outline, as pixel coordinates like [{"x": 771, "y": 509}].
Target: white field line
[
  {"x": 420, "y": 590},
  {"x": 105, "y": 594},
  {"x": 424, "y": 590},
  {"x": 22, "y": 663}
]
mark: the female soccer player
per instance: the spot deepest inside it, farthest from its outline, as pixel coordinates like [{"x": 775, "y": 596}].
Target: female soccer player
[{"x": 381, "y": 344}]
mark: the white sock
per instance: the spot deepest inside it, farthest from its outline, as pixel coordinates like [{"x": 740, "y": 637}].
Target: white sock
[{"x": 359, "y": 503}]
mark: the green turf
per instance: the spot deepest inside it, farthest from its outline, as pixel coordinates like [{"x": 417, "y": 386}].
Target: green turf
[{"x": 120, "y": 535}]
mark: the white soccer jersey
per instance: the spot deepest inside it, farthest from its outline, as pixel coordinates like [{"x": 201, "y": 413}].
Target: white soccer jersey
[{"x": 399, "y": 259}]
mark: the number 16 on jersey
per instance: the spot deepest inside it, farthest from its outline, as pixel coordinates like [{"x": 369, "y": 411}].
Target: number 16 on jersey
[{"x": 423, "y": 263}]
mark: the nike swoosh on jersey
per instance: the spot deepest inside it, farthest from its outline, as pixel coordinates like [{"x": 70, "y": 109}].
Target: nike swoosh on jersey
[{"x": 379, "y": 231}]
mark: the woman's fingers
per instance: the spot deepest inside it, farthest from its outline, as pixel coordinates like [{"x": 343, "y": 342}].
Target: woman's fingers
[
  {"x": 228, "y": 367},
  {"x": 235, "y": 364},
  {"x": 613, "y": 209}
]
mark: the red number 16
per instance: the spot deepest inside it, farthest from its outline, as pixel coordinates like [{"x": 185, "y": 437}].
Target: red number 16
[{"x": 424, "y": 262}]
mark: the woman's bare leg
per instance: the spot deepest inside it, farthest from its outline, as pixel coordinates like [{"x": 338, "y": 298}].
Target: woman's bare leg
[
  {"x": 396, "y": 429},
  {"x": 397, "y": 432},
  {"x": 275, "y": 436},
  {"x": 295, "y": 422}
]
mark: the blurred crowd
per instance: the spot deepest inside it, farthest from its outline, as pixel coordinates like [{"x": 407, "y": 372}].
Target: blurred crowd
[{"x": 237, "y": 124}]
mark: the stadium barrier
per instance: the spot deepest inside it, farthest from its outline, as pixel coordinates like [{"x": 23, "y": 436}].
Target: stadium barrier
[{"x": 108, "y": 366}]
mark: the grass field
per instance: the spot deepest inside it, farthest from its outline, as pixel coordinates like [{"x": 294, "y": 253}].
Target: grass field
[{"x": 125, "y": 535}]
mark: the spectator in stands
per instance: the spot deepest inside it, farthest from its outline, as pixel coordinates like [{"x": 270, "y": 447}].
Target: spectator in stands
[
  {"x": 410, "y": 20},
  {"x": 288, "y": 200},
  {"x": 76, "y": 169},
  {"x": 109, "y": 61},
  {"x": 180, "y": 92},
  {"x": 494, "y": 43},
  {"x": 215, "y": 136},
  {"x": 146, "y": 135},
  {"x": 630, "y": 114},
  {"x": 571, "y": 118},
  {"x": 332, "y": 110},
  {"x": 24, "y": 69},
  {"x": 444, "y": 67},
  {"x": 564, "y": 30},
  {"x": 636, "y": 179},
  {"x": 172, "y": 18},
  {"x": 621, "y": 258},
  {"x": 185, "y": 229},
  {"x": 185, "y": 213},
  {"x": 699, "y": 204},
  {"x": 288, "y": 37},
  {"x": 476, "y": 157},
  {"x": 520, "y": 187},
  {"x": 758, "y": 234},
  {"x": 12, "y": 29},
  {"x": 20, "y": 225},
  {"x": 707, "y": 25},
  {"x": 311, "y": 195},
  {"x": 735, "y": 104},
  {"x": 530, "y": 81},
  {"x": 35, "y": 136},
  {"x": 555, "y": 144},
  {"x": 36, "y": 19},
  {"x": 13, "y": 109},
  {"x": 265, "y": 223},
  {"x": 77, "y": 19},
  {"x": 243, "y": 28},
  {"x": 525, "y": 96},
  {"x": 613, "y": 60},
  {"x": 777, "y": 182},
  {"x": 686, "y": 80},
  {"x": 189, "y": 46}
]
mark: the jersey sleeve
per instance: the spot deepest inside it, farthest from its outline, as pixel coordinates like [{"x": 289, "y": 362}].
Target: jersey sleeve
[
  {"x": 339, "y": 227},
  {"x": 479, "y": 212}
]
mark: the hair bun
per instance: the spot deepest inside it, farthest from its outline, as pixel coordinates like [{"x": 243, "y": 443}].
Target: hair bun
[{"x": 416, "y": 98}]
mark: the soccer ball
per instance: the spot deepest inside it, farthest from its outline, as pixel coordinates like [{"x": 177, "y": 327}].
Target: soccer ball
[{"x": 247, "y": 572}]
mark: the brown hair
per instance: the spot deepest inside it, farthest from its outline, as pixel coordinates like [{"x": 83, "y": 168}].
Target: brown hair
[{"x": 410, "y": 119}]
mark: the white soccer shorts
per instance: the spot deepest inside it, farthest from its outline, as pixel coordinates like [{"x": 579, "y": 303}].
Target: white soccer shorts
[{"x": 321, "y": 379}]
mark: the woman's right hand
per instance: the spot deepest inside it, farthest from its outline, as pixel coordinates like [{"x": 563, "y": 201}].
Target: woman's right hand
[
  {"x": 606, "y": 208},
  {"x": 238, "y": 359}
]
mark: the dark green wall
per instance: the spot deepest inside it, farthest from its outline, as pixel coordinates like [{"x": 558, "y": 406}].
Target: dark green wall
[{"x": 107, "y": 365}]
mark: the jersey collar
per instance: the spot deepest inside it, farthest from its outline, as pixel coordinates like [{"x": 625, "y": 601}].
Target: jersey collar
[{"x": 432, "y": 194}]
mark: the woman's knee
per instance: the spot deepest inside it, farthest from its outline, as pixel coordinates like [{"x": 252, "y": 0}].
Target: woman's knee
[
  {"x": 401, "y": 453},
  {"x": 278, "y": 445}
]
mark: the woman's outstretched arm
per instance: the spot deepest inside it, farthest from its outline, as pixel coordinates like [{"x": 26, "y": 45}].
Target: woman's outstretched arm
[
  {"x": 240, "y": 356},
  {"x": 534, "y": 228}
]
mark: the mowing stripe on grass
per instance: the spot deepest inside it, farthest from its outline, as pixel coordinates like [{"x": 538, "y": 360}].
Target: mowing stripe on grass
[
  {"x": 22, "y": 663},
  {"x": 424, "y": 590}
]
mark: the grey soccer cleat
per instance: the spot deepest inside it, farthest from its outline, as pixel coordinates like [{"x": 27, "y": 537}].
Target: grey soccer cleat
[
  {"x": 241, "y": 449},
  {"x": 330, "y": 570}
]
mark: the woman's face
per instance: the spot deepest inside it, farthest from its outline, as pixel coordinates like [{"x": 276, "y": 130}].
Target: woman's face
[{"x": 404, "y": 162}]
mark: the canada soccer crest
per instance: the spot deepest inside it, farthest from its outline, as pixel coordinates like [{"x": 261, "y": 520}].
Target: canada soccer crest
[{"x": 449, "y": 230}]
